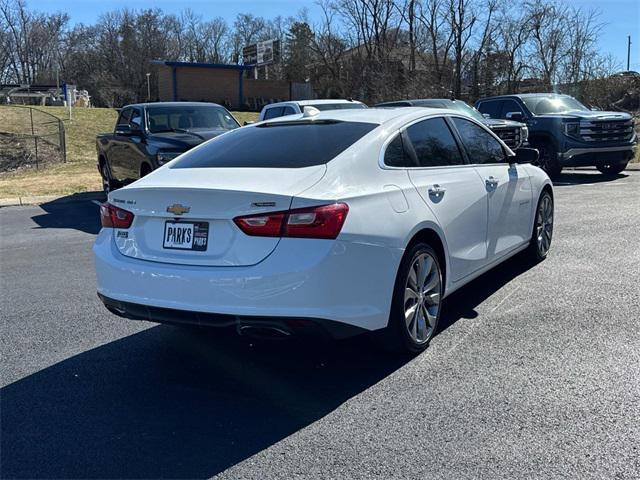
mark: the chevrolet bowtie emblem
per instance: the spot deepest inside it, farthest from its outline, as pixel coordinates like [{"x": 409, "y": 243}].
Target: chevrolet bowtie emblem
[{"x": 178, "y": 209}]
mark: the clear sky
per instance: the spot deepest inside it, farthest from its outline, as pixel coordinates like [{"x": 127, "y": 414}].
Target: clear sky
[{"x": 622, "y": 17}]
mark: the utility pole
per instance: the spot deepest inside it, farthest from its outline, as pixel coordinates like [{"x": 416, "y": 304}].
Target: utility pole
[
  {"x": 628, "y": 51},
  {"x": 148, "y": 88}
]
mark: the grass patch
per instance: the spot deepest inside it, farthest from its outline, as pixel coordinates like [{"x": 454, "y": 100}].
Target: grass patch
[{"x": 79, "y": 173}]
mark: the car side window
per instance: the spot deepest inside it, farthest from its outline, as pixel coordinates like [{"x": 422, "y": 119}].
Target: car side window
[
  {"x": 433, "y": 143},
  {"x": 510, "y": 106},
  {"x": 135, "y": 123},
  {"x": 395, "y": 155},
  {"x": 481, "y": 146},
  {"x": 491, "y": 108},
  {"x": 288, "y": 111},
  {"x": 123, "y": 118},
  {"x": 274, "y": 112}
]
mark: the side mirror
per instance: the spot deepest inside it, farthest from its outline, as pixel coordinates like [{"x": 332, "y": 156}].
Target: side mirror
[
  {"x": 127, "y": 131},
  {"x": 124, "y": 130},
  {"x": 525, "y": 155},
  {"x": 515, "y": 116}
]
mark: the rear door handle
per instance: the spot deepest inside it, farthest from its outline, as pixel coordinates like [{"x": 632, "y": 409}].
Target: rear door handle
[
  {"x": 436, "y": 190},
  {"x": 491, "y": 182}
]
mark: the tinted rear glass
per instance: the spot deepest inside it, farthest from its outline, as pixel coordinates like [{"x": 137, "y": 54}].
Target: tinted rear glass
[
  {"x": 273, "y": 113},
  {"x": 395, "y": 155},
  {"x": 433, "y": 143},
  {"x": 280, "y": 145}
]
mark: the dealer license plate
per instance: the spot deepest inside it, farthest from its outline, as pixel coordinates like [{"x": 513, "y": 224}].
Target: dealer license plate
[{"x": 186, "y": 235}]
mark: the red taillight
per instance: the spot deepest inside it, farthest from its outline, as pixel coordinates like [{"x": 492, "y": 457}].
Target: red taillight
[
  {"x": 114, "y": 217},
  {"x": 324, "y": 221}
]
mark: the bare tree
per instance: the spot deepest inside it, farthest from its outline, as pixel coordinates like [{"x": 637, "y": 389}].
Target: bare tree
[
  {"x": 203, "y": 41},
  {"x": 435, "y": 38},
  {"x": 583, "y": 29},
  {"x": 328, "y": 48},
  {"x": 247, "y": 29},
  {"x": 462, "y": 19},
  {"x": 30, "y": 40},
  {"x": 549, "y": 35},
  {"x": 482, "y": 53},
  {"x": 513, "y": 35}
]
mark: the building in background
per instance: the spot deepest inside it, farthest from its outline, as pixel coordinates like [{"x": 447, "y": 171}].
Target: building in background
[{"x": 237, "y": 87}]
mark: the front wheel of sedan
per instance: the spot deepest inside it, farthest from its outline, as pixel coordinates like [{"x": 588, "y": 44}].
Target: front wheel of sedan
[
  {"x": 542, "y": 228},
  {"x": 417, "y": 301}
]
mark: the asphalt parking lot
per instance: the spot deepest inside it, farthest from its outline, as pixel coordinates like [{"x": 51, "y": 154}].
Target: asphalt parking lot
[{"x": 535, "y": 372}]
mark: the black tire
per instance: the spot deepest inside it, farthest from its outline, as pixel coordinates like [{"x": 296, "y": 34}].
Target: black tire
[
  {"x": 396, "y": 337},
  {"x": 145, "y": 170},
  {"x": 548, "y": 159},
  {"x": 542, "y": 225},
  {"x": 107, "y": 181},
  {"x": 612, "y": 169}
]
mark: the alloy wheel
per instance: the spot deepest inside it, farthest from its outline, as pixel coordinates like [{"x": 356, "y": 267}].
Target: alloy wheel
[
  {"x": 422, "y": 297},
  {"x": 544, "y": 225}
]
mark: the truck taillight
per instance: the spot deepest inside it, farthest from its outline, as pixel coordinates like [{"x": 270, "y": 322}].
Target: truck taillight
[
  {"x": 114, "y": 217},
  {"x": 324, "y": 221}
]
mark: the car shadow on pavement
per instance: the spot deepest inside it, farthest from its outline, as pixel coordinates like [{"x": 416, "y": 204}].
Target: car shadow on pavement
[
  {"x": 462, "y": 303},
  {"x": 175, "y": 402},
  {"x": 75, "y": 211},
  {"x": 582, "y": 177}
]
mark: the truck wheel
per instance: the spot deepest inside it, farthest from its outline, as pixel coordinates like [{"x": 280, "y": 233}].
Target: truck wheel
[
  {"x": 548, "y": 159},
  {"x": 107, "y": 182},
  {"x": 145, "y": 170},
  {"x": 612, "y": 169}
]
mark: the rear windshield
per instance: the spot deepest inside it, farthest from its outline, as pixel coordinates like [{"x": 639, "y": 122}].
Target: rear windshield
[
  {"x": 277, "y": 145},
  {"x": 200, "y": 117}
]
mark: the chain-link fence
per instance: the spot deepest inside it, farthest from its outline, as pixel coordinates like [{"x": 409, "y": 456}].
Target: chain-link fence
[{"x": 29, "y": 138}]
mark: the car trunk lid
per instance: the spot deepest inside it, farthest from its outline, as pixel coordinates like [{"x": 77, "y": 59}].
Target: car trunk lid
[{"x": 185, "y": 216}]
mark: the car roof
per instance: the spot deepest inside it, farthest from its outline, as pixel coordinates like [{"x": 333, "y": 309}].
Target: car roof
[
  {"x": 525, "y": 95},
  {"x": 314, "y": 102},
  {"x": 368, "y": 115},
  {"x": 173, "y": 104},
  {"x": 421, "y": 100}
]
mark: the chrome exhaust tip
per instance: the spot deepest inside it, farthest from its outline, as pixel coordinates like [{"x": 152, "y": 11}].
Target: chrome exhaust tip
[{"x": 268, "y": 332}]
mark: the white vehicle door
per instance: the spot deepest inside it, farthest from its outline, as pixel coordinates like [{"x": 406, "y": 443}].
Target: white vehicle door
[
  {"x": 452, "y": 190},
  {"x": 508, "y": 189}
]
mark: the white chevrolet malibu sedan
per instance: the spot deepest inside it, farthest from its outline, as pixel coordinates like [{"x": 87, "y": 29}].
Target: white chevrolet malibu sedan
[{"x": 338, "y": 222}]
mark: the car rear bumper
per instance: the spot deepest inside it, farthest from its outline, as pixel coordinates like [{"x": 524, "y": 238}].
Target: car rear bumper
[
  {"x": 585, "y": 157},
  {"x": 322, "y": 280},
  {"x": 246, "y": 325}
]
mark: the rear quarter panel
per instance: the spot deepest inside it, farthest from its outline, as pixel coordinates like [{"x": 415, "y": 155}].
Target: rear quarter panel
[{"x": 385, "y": 209}]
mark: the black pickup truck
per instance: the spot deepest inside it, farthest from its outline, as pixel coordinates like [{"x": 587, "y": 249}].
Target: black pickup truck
[
  {"x": 566, "y": 133},
  {"x": 148, "y": 135}
]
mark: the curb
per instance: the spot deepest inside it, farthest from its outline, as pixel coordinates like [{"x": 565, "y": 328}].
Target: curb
[{"x": 40, "y": 199}]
